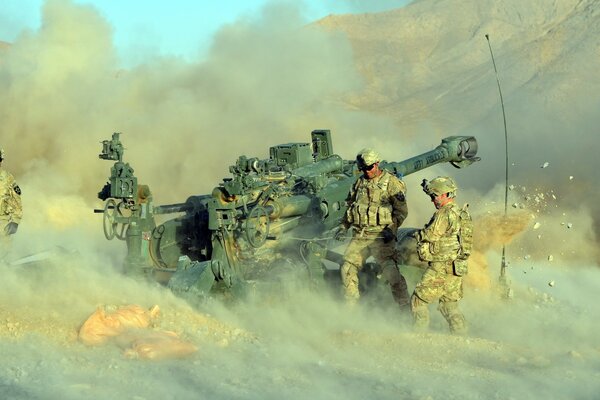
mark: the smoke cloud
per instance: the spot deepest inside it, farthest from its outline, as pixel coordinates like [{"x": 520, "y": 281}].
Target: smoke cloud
[{"x": 272, "y": 79}]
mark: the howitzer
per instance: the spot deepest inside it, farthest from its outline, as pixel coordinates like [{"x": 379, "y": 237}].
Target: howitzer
[{"x": 272, "y": 215}]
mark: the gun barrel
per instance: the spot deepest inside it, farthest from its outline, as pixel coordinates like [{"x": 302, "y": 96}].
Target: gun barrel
[
  {"x": 460, "y": 151},
  {"x": 172, "y": 208},
  {"x": 288, "y": 206},
  {"x": 328, "y": 165}
]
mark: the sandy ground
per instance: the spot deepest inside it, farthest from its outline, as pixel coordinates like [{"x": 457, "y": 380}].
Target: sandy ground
[{"x": 542, "y": 344}]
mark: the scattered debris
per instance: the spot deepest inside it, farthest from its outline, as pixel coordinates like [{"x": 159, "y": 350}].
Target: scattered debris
[
  {"x": 545, "y": 165},
  {"x": 571, "y": 177},
  {"x": 536, "y": 225},
  {"x": 550, "y": 258},
  {"x": 551, "y": 283},
  {"x": 511, "y": 187},
  {"x": 569, "y": 225}
]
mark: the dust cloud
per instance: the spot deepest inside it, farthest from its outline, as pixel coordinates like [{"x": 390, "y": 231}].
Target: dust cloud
[
  {"x": 541, "y": 344},
  {"x": 266, "y": 80}
]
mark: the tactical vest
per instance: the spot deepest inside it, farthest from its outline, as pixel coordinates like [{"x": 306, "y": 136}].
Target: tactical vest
[
  {"x": 371, "y": 205},
  {"x": 447, "y": 248}
]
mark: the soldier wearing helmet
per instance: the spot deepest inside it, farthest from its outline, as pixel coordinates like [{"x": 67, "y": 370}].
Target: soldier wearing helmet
[
  {"x": 376, "y": 209},
  {"x": 11, "y": 209},
  {"x": 445, "y": 243}
]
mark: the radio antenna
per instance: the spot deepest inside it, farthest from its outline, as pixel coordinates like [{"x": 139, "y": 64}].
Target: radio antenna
[{"x": 505, "y": 289}]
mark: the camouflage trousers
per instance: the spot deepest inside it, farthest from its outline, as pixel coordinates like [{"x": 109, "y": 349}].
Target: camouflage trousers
[
  {"x": 361, "y": 248},
  {"x": 439, "y": 282}
]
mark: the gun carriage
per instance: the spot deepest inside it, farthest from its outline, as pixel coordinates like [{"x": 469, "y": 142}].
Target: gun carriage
[{"x": 271, "y": 215}]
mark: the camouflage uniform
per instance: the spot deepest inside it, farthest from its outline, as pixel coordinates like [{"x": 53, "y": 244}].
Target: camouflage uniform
[
  {"x": 11, "y": 210},
  {"x": 377, "y": 208},
  {"x": 439, "y": 244}
]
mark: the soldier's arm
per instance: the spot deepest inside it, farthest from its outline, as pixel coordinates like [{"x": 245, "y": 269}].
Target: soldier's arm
[
  {"x": 13, "y": 200},
  {"x": 349, "y": 200},
  {"x": 18, "y": 205},
  {"x": 436, "y": 228},
  {"x": 397, "y": 192}
]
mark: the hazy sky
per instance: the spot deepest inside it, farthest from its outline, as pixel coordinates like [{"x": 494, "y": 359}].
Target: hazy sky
[{"x": 144, "y": 28}]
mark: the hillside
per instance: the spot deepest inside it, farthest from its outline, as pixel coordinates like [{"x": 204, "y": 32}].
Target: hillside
[{"x": 428, "y": 67}]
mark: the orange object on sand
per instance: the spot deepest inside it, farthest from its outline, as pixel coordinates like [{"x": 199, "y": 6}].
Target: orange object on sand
[
  {"x": 101, "y": 326},
  {"x": 159, "y": 346}
]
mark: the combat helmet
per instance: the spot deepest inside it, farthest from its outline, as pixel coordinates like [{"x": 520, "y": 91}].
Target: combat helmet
[
  {"x": 367, "y": 157},
  {"x": 439, "y": 186}
]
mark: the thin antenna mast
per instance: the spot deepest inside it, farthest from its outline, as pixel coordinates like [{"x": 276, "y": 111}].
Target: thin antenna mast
[{"x": 503, "y": 279}]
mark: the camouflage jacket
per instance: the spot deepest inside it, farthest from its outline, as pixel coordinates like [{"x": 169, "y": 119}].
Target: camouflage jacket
[
  {"x": 376, "y": 203},
  {"x": 439, "y": 239},
  {"x": 11, "y": 209}
]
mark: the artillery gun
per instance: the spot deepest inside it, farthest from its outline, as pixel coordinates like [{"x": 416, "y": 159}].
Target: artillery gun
[{"x": 272, "y": 215}]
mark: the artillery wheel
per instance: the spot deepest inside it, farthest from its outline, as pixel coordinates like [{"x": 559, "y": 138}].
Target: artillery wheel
[
  {"x": 257, "y": 226},
  {"x": 111, "y": 227}
]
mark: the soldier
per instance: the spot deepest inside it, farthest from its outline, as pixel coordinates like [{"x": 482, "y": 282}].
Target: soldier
[
  {"x": 376, "y": 208},
  {"x": 445, "y": 243},
  {"x": 11, "y": 210}
]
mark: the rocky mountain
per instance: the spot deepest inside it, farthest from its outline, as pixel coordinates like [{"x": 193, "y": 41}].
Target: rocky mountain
[
  {"x": 428, "y": 66},
  {"x": 430, "y": 60}
]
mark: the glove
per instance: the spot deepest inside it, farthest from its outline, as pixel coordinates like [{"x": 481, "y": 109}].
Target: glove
[
  {"x": 388, "y": 235},
  {"x": 340, "y": 233},
  {"x": 11, "y": 228}
]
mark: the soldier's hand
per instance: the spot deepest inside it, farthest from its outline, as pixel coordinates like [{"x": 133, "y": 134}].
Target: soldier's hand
[
  {"x": 11, "y": 228},
  {"x": 340, "y": 233},
  {"x": 388, "y": 235}
]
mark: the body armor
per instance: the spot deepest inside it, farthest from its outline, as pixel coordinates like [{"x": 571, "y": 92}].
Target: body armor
[{"x": 371, "y": 205}]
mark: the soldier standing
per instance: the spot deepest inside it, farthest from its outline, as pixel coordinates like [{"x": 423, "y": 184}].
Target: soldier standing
[
  {"x": 11, "y": 209},
  {"x": 445, "y": 243},
  {"x": 376, "y": 209}
]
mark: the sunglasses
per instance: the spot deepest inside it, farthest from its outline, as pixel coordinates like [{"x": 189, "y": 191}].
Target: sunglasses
[{"x": 367, "y": 167}]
